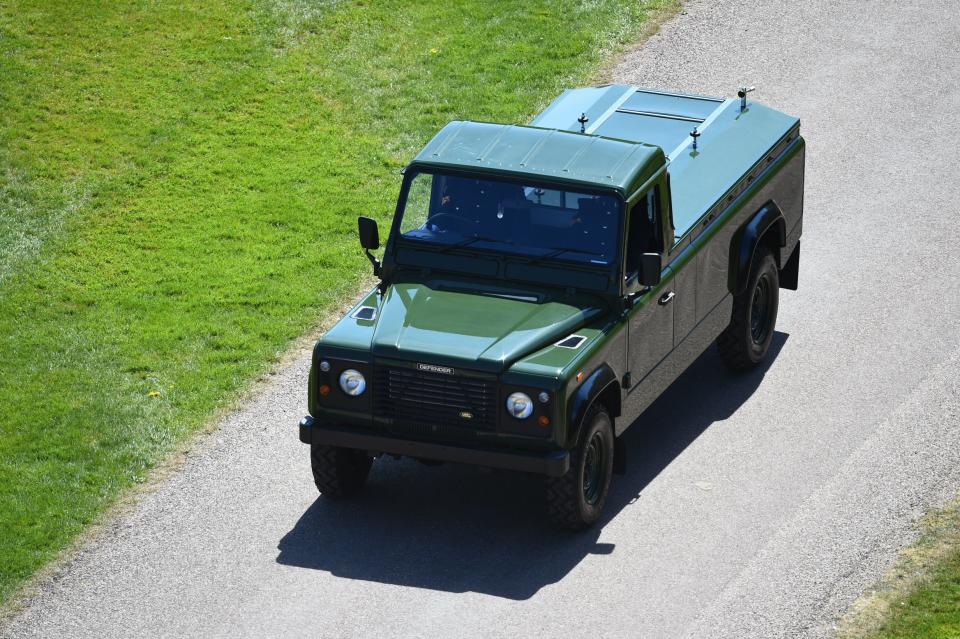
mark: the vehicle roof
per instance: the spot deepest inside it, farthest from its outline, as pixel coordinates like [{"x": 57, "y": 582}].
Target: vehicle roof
[
  {"x": 545, "y": 153},
  {"x": 629, "y": 134}
]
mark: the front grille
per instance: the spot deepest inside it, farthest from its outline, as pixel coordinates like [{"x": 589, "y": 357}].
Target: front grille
[{"x": 418, "y": 399}]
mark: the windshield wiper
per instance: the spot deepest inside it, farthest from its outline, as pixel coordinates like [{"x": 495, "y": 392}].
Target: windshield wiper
[
  {"x": 560, "y": 250},
  {"x": 467, "y": 242}
]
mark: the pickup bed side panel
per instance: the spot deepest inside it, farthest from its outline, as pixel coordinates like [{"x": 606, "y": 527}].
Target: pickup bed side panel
[
  {"x": 792, "y": 202},
  {"x": 781, "y": 183}
]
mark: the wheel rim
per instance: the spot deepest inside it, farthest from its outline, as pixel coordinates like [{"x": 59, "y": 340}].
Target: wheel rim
[
  {"x": 760, "y": 311},
  {"x": 593, "y": 464}
]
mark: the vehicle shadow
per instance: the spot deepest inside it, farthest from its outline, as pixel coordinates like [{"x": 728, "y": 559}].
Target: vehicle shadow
[{"x": 460, "y": 528}]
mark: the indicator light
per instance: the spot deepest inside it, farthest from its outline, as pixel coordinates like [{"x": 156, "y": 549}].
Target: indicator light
[{"x": 324, "y": 390}]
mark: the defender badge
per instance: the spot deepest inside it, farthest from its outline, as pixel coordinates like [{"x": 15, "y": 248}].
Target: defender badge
[
  {"x": 433, "y": 368},
  {"x": 466, "y": 414}
]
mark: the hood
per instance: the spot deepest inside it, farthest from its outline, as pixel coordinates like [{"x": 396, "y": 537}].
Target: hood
[{"x": 476, "y": 331}]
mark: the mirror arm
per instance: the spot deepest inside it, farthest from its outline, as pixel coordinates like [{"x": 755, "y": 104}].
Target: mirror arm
[
  {"x": 377, "y": 266},
  {"x": 637, "y": 295},
  {"x": 631, "y": 298}
]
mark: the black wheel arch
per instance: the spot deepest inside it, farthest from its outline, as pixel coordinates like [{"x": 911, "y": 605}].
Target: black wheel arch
[
  {"x": 601, "y": 385},
  {"x": 766, "y": 226}
]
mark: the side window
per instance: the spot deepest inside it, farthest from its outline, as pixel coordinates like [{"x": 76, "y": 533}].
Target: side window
[{"x": 643, "y": 230}]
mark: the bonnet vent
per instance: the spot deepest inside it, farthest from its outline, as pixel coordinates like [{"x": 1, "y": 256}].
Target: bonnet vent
[
  {"x": 365, "y": 313},
  {"x": 574, "y": 341}
]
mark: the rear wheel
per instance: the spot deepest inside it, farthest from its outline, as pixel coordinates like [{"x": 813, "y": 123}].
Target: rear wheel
[
  {"x": 339, "y": 472},
  {"x": 576, "y": 499},
  {"x": 745, "y": 342}
]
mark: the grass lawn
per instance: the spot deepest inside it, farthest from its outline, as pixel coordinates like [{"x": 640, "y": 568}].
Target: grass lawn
[
  {"x": 920, "y": 597},
  {"x": 179, "y": 188},
  {"x": 932, "y": 611}
]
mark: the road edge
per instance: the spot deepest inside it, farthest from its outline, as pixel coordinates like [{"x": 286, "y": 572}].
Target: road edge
[
  {"x": 912, "y": 570},
  {"x": 132, "y": 496},
  {"x": 656, "y": 18}
]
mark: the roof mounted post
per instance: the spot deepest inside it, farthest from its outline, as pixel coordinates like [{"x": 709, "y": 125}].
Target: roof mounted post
[
  {"x": 742, "y": 94},
  {"x": 583, "y": 119},
  {"x": 695, "y": 134}
]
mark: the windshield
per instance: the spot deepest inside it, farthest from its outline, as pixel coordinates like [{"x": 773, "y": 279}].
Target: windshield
[{"x": 544, "y": 223}]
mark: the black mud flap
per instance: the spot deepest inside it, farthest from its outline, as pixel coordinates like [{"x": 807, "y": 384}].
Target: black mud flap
[{"x": 790, "y": 273}]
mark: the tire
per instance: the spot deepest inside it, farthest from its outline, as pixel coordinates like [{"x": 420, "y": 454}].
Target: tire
[
  {"x": 339, "y": 472},
  {"x": 746, "y": 341},
  {"x": 576, "y": 500}
]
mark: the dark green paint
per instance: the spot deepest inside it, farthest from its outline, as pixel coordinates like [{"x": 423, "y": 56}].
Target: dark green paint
[
  {"x": 480, "y": 332},
  {"x": 532, "y": 152}
]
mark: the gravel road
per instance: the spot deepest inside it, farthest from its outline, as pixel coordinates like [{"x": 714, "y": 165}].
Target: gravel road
[{"x": 761, "y": 508}]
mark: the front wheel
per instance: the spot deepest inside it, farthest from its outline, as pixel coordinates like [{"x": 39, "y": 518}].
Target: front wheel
[
  {"x": 576, "y": 499},
  {"x": 745, "y": 342},
  {"x": 339, "y": 472}
]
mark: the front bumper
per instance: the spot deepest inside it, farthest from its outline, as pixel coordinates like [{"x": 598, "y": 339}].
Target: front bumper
[{"x": 554, "y": 464}]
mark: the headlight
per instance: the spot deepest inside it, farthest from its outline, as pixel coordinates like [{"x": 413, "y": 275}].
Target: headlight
[
  {"x": 352, "y": 382},
  {"x": 520, "y": 405}
]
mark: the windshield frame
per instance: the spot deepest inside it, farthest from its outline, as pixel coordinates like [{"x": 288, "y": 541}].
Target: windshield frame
[{"x": 396, "y": 239}]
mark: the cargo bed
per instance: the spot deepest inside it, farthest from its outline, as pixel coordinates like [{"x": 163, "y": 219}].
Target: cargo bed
[{"x": 732, "y": 147}]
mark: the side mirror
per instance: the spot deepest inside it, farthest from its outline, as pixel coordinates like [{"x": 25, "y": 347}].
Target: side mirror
[
  {"x": 650, "y": 267},
  {"x": 370, "y": 240},
  {"x": 369, "y": 233}
]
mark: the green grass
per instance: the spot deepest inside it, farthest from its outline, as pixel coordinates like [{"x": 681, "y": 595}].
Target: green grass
[
  {"x": 919, "y": 598},
  {"x": 932, "y": 611},
  {"x": 179, "y": 188}
]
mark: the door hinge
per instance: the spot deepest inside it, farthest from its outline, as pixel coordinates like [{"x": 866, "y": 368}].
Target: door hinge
[{"x": 627, "y": 380}]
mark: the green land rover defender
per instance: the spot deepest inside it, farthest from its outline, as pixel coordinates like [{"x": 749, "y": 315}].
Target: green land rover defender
[{"x": 541, "y": 285}]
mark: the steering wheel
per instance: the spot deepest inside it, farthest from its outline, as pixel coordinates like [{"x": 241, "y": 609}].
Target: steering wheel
[{"x": 460, "y": 224}]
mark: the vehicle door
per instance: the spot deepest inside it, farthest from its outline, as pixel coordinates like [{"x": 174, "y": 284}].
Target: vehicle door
[{"x": 651, "y": 318}]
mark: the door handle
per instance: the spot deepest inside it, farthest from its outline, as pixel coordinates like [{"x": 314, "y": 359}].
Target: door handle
[{"x": 666, "y": 298}]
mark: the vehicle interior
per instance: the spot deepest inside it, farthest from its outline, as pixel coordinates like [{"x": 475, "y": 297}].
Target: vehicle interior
[{"x": 527, "y": 219}]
